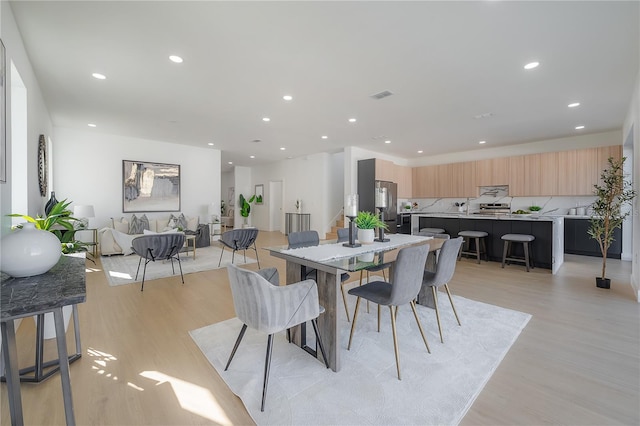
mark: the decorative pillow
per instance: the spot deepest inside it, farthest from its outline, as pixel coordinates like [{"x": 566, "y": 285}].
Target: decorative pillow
[
  {"x": 192, "y": 223},
  {"x": 138, "y": 224},
  {"x": 120, "y": 225}
]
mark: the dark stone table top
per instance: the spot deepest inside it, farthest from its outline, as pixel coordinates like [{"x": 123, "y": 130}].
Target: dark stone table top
[{"x": 64, "y": 284}]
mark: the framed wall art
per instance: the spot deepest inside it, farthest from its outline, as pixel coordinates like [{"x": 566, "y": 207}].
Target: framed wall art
[
  {"x": 259, "y": 194},
  {"x": 150, "y": 187}
]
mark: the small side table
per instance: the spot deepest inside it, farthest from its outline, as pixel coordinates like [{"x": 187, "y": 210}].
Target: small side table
[
  {"x": 190, "y": 242},
  {"x": 215, "y": 228}
]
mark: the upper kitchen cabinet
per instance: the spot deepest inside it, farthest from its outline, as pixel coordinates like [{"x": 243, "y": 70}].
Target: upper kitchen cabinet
[
  {"x": 404, "y": 179},
  {"x": 533, "y": 175},
  {"x": 494, "y": 171},
  {"x": 425, "y": 182},
  {"x": 385, "y": 170}
]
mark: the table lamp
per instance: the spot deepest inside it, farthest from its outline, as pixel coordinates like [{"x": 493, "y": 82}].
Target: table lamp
[
  {"x": 381, "y": 204},
  {"x": 351, "y": 211},
  {"x": 83, "y": 213}
]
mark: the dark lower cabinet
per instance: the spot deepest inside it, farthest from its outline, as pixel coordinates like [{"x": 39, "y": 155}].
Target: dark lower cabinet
[
  {"x": 496, "y": 228},
  {"x": 578, "y": 241}
]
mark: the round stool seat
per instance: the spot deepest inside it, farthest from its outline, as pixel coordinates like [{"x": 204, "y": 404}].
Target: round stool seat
[
  {"x": 521, "y": 238},
  {"x": 432, "y": 230},
  {"x": 472, "y": 234}
]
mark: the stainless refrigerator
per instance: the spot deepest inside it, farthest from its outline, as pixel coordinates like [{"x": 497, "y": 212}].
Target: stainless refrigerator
[{"x": 391, "y": 212}]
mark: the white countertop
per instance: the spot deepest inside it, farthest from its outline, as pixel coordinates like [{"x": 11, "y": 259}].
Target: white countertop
[{"x": 494, "y": 217}]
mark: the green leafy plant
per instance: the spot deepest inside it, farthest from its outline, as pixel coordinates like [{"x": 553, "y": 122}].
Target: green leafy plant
[
  {"x": 535, "y": 208},
  {"x": 368, "y": 220},
  {"x": 59, "y": 216},
  {"x": 59, "y": 222},
  {"x": 245, "y": 205},
  {"x": 614, "y": 193}
]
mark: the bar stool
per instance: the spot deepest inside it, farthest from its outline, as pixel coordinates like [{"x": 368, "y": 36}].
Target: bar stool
[
  {"x": 479, "y": 237},
  {"x": 525, "y": 239},
  {"x": 432, "y": 230}
]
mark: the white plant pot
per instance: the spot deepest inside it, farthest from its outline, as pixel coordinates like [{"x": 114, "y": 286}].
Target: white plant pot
[
  {"x": 29, "y": 251},
  {"x": 366, "y": 236}
]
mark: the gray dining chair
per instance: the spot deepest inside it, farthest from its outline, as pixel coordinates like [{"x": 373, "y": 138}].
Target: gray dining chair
[
  {"x": 406, "y": 280},
  {"x": 158, "y": 247},
  {"x": 343, "y": 235},
  {"x": 445, "y": 269},
  {"x": 265, "y": 306},
  {"x": 239, "y": 239}
]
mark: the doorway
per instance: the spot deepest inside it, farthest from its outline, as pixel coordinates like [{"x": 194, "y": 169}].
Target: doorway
[{"x": 276, "y": 214}]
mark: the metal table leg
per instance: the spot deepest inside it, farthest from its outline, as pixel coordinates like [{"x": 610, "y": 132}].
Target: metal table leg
[
  {"x": 10, "y": 354},
  {"x": 63, "y": 358}
]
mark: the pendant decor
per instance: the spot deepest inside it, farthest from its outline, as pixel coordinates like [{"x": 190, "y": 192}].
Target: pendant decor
[
  {"x": 42, "y": 166},
  {"x": 50, "y": 204},
  {"x": 29, "y": 251}
]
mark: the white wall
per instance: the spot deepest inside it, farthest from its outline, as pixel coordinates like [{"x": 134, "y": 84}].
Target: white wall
[
  {"x": 226, "y": 182},
  {"x": 632, "y": 124},
  {"x": 308, "y": 179},
  {"x": 38, "y": 120},
  {"x": 88, "y": 170}
]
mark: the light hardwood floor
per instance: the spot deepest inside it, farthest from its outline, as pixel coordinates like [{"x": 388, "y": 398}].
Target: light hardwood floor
[{"x": 577, "y": 362}]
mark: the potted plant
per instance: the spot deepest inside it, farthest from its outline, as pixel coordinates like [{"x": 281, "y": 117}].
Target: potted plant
[
  {"x": 245, "y": 207},
  {"x": 535, "y": 209},
  {"x": 614, "y": 193},
  {"x": 367, "y": 223}
]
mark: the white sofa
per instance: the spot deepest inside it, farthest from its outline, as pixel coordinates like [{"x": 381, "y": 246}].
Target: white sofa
[{"x": 107, "y": 238}]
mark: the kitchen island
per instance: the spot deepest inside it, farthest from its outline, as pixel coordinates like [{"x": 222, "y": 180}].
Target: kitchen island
[{"x": 547, "y": 249}]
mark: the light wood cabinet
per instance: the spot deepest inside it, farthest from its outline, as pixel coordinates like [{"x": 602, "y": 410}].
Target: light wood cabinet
[
  {"x": 404, "y": 179},
  {"x": 517, "y": 176},
  {"x": 425, "y": 182},
  {"x": 385, "y": 170},
  {"x": 567, "y": 173},
  {"x": 494, "y": 171}
]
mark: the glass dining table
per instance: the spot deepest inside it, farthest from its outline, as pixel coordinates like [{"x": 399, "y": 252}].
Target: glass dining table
[{"x": 330, "y": 259}]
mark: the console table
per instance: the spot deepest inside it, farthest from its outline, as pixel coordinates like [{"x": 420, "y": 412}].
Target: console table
[
  {"x": 63, "y": 285},
  {"x": 296, "y": 222}
]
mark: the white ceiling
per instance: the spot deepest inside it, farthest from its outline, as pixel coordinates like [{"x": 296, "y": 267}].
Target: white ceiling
[{"x": 445, "y": 62}]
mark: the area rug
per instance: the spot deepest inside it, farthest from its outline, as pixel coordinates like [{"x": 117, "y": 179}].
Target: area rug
[
  {"x": 121, "y": 270},
  {"x": 436, "y": 388}
]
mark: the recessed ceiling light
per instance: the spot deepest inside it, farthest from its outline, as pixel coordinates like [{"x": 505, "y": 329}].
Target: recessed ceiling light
[
  {"x": 210, "y": 144},
  {"x": 352, "y": 120},
  {"x": 574, "y": 104},
  {"x": 99, "y": 76},
  {"x": 252, "y": 156},
  {"x": 230, "y": 162},
  {"x": 282, "y": 148},
  {"x": 482, "y": 142},
  {"x": 266, "y": 119},
  {"x": 531, "y": 65},
  {"x": 289, "y": 157},
  {"x": 287, "y": 97},
  {"x": 420, "y": 152},
  {"x": 324, "y": 137},
  {"x": 91, "y": 125},
  {"x": 579, "y": 127},
  {"x": 176, "y": 59},
  {"x": 387, "y": 141}
]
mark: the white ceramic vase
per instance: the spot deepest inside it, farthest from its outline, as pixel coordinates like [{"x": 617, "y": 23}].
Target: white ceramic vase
[
  {"x": 29, "y": 251},
  {"x": 366, "y": 236}
]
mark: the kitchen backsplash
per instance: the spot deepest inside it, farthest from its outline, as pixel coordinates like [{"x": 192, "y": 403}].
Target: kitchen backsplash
[{"x": 550, "y": 205}]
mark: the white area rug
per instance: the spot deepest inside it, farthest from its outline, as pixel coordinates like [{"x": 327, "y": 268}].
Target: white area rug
[
  {"x": 436, "y": 388},
  {"x": 122, "y": 269}
]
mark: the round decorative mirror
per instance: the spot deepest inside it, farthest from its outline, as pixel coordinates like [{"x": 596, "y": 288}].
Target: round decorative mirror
[{"x": 42, "y": 166}]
